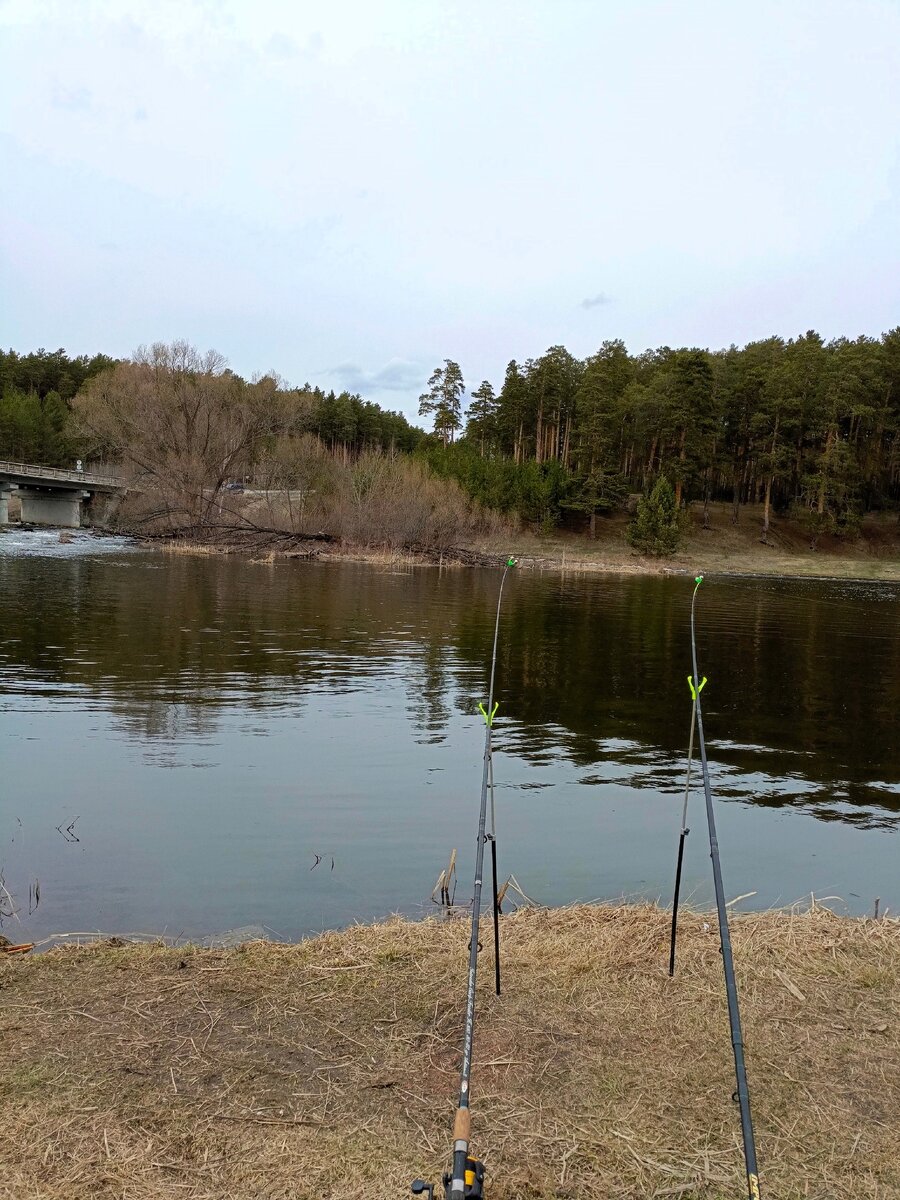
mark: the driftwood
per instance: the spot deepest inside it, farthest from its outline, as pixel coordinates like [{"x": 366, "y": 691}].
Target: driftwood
[
  {"x": 213, "y": 533},
  {"x": 261, "y": 540},
  {"x": 454, "y": 554},
  {"x": 230, "y": 539}
]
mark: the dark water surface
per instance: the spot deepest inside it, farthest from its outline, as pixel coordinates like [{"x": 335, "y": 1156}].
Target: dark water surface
[{"x": 216, "y": 724}]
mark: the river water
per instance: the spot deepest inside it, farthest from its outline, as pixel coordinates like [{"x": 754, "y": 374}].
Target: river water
[{"x": 191, "y": 744}]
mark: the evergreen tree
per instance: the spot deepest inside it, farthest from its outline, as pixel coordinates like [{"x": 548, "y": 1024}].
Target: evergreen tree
[
  {"x": 553, "y": 385},
  {"x": 599, "y": 491},
  {"x": 444, "y": 400},
  {"x": 512, "y": 412},
  {"x": 481, "y": 417},
  {"x": 658, "y": 523},
  {"x": 599, "y": 405}
]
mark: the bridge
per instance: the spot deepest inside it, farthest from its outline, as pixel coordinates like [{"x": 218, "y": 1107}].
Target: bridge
[{"x": 53, "y": 496}]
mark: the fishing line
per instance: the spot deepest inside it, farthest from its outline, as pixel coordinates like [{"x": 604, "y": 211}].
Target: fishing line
[
  {"x": 489, "y": 762},
  {"x": 684, "y": 828},
  {"x": 734, "y": 1016}
]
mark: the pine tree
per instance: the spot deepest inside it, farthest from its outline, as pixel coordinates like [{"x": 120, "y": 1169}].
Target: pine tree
[
  {"x": 480, "y": 422},
  {"x": 599, "y": 491},
  {"x": 658, "y": 523},
  {"x": 444, "y": 399}
]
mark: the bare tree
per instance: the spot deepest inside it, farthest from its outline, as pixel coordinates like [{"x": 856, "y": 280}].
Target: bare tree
[{"x": 181, "y": 421}]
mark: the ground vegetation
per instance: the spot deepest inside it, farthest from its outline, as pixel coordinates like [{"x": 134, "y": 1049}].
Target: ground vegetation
[{"x": 329, "y": 1069}]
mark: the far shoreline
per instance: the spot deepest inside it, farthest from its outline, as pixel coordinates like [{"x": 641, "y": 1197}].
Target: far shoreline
[
  {"x": 741, "y": 556},
  {"x": 723, "y": 549}
]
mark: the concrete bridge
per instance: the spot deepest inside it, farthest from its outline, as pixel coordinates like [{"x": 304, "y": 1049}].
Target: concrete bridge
[{"x": 51, "y": 496}]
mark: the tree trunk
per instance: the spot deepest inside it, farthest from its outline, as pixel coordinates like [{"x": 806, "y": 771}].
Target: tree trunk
[
  {"x": 820, "y": 504},
  {"x": 765, "y": 536},
  {"x": 679, "y": 482},
  {"x": 745, "y": 480},
  {"x": 736, "y": 488},
  {"x": 798, "y": 463},
  {"x": 770, "y": 480},
  {"x": 648, "y": 469}
]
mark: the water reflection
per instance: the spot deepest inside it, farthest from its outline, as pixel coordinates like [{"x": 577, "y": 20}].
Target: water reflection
[
  {"x": 350, "y": 695},
  {"x": 805, "y": 677}
]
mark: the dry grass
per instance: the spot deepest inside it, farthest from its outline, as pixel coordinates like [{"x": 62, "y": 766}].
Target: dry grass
[
  {"x": 723, "y": 548},
  {"x": 329, "y": 1068},
  {"x": 190, "y": 548}
]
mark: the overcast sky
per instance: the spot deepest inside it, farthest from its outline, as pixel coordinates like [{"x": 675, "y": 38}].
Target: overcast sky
[{"x": 348, "y": 192}]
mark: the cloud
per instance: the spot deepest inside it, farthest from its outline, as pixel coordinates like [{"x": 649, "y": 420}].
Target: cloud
[
  {"x": 282, "y": 45},
  {"x": 398, "y": 375},
  {"x": 595, "y": 301},
  {"x": 76, "y": 99}
]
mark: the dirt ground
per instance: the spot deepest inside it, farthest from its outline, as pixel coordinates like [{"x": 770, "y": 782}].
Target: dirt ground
[
  {"x": 330, "y": 1068},
  {"x": 725, "y": 548}
]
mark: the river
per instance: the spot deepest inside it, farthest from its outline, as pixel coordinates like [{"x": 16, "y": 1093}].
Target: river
[{"x": 191, "y": 744}]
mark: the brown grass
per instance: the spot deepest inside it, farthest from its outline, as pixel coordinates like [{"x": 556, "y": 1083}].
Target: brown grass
[
  {"x": 723, "y": 548},
  {"x": 329, "y": 1068}
]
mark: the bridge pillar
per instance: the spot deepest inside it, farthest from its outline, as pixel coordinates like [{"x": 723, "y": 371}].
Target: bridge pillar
[
  {"x": 5, "y": 490},
  {"x": 62, "y": 509}
]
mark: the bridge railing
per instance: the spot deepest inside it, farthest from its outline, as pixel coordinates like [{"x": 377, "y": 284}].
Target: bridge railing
[{"x": 33, "y": 471}]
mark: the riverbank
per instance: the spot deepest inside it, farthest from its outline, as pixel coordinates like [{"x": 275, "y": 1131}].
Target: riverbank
[
  {"x": 328, "y": 1069},
  {"x": 727, "y": 549},
  {"x": 720, "y": 549}
]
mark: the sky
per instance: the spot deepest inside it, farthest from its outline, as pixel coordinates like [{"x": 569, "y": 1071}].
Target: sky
[{"x": 349, "y": 192}]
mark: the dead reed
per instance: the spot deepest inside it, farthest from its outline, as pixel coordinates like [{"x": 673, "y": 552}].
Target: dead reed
[{"x": 284, "y": 1071}]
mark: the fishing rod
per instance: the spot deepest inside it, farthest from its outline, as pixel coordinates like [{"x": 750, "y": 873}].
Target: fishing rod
[
  {"x": 467, "y": 1176},
  {"x": 734, "y": 1016}
]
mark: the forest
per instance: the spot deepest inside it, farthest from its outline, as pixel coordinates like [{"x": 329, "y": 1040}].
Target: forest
[
  {"x": 37, "y": 391},
  {"x": 800, "y": 425}
]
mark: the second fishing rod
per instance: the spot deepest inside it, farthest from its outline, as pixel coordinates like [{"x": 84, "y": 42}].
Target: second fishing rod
[
  {"x": 466, "y": 1178},
  {"x": 742, "y": 1095}
]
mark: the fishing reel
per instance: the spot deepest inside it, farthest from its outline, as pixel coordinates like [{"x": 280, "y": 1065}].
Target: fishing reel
[{"x": 474, "y": 1183}]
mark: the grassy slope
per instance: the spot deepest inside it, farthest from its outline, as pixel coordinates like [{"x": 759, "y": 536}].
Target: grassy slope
[
  {"x": 730, "y": 549},
  {"x": 329, "y": 1069}
]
